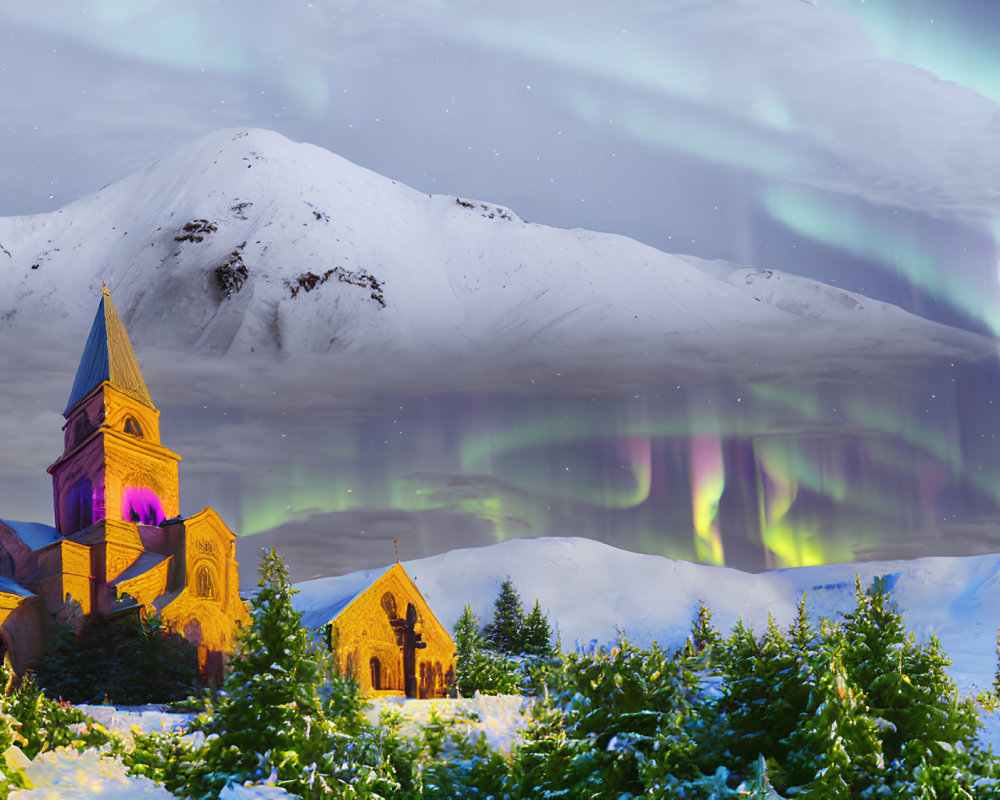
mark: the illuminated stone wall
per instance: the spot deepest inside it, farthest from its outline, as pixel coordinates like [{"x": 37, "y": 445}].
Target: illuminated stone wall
[
  {"x": 112, "y": 444},
  {"x": 122, "y": 546},
  {"x": 363, "y": 631},
  {"x": 63, "y": 568},
  {"x": 21, "y": 619},
  {"x": 209, "y": 609},
  {"x": 145, "y": 588}
]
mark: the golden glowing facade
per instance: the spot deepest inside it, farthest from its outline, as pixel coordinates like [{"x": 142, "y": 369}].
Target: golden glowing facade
[
  {"x": 118, "y": 531},
  {"x": 384, "y": 634}
]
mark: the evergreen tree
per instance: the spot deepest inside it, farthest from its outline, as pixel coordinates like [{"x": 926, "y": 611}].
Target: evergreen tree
[
  {"x": 835, "y": 752},
  {"x": 905, "y": 683},
  {"x": 703, "y": 638},
  {"x": 478, "y": 669},
  {"x": 760, "y": 696},
  {"x": 271, "y": 716},
  {"x": 131, "y": 661},
  {"x": 537, "y": 636},
  {"x": 614, "y": 723},
  {"x": 468, "y": 644},
  {"x": 506, "y": 633},
  {"x": 467, "y": 636}
]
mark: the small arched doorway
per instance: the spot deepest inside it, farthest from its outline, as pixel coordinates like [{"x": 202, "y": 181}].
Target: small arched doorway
[{"x": 376, "y": 673}]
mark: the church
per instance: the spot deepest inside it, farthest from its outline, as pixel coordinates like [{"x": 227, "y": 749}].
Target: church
[
  {"x": 119, "y": 541},
  {"x": 383, "y": 633}
]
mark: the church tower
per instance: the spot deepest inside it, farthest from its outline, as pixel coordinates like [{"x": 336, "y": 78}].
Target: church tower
[
  {"x": 113, "y": 466},
  {"x": 119, "y": 544}
]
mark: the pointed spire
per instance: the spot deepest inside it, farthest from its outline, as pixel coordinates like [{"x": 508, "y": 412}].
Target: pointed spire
[{"x": 108, "y": 356}]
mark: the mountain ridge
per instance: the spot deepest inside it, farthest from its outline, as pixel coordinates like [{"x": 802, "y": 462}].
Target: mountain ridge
[{"x": 246, "y": 242}]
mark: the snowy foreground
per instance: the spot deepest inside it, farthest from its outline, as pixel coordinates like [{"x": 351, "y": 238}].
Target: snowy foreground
[
  {"x": 591, "y": 591},
  {"x": 66, "y": 774}
]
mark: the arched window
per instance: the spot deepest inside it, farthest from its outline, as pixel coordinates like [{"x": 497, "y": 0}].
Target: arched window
[
  {"x": 376, "y": 670},
  {"x": 79, "y": 505},
  {"x": 389, "y": 605},
  {"x": 204, "y": 584},
  {"x": 81, "y": 429},
  {"x": 140, "y": 504},
  {"x": 132, "y": 427}
]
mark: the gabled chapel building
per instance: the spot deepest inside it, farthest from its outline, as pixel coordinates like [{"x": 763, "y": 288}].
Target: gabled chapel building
[
  {"x": 382, "y": 632},
  {"x": 118, "y": 539}
]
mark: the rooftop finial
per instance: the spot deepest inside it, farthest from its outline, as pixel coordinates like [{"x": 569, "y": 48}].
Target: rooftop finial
[
  {"x": 104, "y": 289},
  {"x": 395, "y": 546}
]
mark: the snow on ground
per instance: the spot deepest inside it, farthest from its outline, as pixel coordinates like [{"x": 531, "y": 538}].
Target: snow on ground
[
  {"x": 67, "y": 774},
  {"x": 499, "y": 719},
  {"x": 143, "y": 719}
]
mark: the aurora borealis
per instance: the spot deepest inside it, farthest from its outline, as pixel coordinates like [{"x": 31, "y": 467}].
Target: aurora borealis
[
  {"x": 845, "y": 141},
  {"x": 780, "y": 472}
]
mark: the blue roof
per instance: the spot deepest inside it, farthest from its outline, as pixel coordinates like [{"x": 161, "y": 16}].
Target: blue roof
[
  {"x": 34, "y": 534},
  {"x": 321, "y": 600},
  {"x": 10, "y": 586},
  {"x": 108, "y": 356}
]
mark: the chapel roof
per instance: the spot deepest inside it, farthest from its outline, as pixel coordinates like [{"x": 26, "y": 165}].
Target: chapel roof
[
  {"x": 143, "y": 564},
  {"x": 35, "y": 535},
  {"x": 108, "y": 356},
  {"x": 10, "y": 586},
  {"x": 320, "y": 601}
]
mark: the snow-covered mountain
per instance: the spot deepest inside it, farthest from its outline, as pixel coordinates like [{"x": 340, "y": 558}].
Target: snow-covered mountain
[
  {"x": 245, "y": 241},
  {"x": 591, "y": 591}
]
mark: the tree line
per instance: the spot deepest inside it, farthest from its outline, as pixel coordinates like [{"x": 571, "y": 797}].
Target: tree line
[{"x": 840, "y": 709}]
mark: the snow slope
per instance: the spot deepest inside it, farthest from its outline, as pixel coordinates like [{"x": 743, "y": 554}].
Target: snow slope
[
  {"x": 317, "y": 255},
  {"x": 591, "y": 590}
]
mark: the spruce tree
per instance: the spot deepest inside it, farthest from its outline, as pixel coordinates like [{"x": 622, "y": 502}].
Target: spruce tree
[
  {"x": 468, "y": 644},
  {"x": 467, "y": 636},
  {"x": 537, "y": 638},
  {"x": 703, "y": 636},
  {"x": 130, "y": 661},
  {"x": 270, "y": 715},
  {"x": 835, "y": 752},
  {"x": 905, "y": 682},
  {"x": 506, "y": 633}
]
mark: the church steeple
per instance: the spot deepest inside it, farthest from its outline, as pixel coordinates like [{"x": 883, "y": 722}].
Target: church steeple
[
  {"x": 113, "y": 466},
  {"x": 108, "y": 356}
]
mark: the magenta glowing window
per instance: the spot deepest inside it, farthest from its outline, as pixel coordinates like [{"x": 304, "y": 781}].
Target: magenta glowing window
[{"x": 140, "y": 504}]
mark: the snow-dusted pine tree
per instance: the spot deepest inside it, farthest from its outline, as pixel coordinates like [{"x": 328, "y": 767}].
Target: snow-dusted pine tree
[
  {"x": 273, "y": 718},
  {"x": 537, "y": 635},
  {"x": 506, "y": 633}
]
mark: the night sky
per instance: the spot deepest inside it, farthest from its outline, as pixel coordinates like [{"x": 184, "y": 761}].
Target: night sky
[{"x": 857, "y": 143}]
